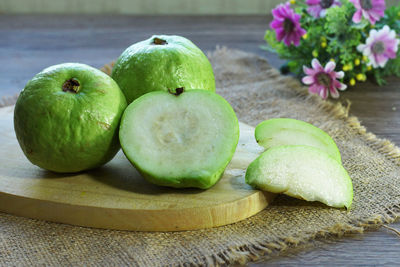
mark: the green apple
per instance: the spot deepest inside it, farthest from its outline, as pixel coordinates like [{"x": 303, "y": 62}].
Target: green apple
[
  {"x": 285, "y": 131},
  {"x": 302, "y": 172},
  {"x": 180, "y": 138},
  {"x": 163, "y": 62},
  {"x": 66, "y": 119}
]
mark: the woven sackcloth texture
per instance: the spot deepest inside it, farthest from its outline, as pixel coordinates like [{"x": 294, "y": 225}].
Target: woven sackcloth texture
[{"x": 257, "y": 92}]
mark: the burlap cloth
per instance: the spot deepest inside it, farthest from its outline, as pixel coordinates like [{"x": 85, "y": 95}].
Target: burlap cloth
[{"x": 257, "y": 92}]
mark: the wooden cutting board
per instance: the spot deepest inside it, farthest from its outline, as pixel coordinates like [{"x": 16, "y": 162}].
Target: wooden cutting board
[{"x": 115, "y": 196}]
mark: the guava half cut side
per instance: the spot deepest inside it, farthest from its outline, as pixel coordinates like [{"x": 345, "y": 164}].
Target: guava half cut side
[
  {"x": 285, "y": 131},
  {"x": 180, "y": 139},
  {"x": 302, "y": 172}
]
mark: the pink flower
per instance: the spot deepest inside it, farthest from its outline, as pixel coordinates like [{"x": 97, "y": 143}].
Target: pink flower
[
  {"x": 317, "y": 8},
  {"x": 380, "y": 46},
  {"x": 286, "y": 24},
  {"x": 323, "y": 80},
  {"x": 372, "y": 10}
]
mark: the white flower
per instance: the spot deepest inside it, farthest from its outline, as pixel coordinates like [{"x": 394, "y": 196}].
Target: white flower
[{"x": 380, "y": 46}]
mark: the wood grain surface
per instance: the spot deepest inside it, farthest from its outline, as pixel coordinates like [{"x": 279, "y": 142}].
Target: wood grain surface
[
  {"x": 116, "y": 196},
  {"x": 30, "y": 43}
]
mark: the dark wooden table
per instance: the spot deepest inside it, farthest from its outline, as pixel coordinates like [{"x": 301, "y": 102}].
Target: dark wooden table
[{"x": 29, "y": 43}]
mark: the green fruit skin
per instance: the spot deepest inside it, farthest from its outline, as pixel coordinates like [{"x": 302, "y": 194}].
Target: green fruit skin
[
  {"x": 145, "y": 67},
  {"x": 195, "y": 181},
  {"x": 256, "y": 175},
  {"x": 267, "y": 128},
  {"x": 202, "y": 179},
  {"x": 64, "y": 131}
]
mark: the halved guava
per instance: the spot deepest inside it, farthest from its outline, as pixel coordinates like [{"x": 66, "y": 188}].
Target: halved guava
[{"x": 180, "y": 139}]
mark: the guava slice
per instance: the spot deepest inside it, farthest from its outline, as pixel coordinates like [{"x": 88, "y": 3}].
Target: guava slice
[
  {"x": 302, "y": 172},
  {"x": 180, "y": 139},
  {"x": 285, "y": 131}
]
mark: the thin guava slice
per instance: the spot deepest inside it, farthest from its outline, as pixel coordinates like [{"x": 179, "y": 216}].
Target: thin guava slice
[
  {"x": 302, "y": 172},
  {"x": 285, "y": 131},
  {"x": 180, "y": 139}
]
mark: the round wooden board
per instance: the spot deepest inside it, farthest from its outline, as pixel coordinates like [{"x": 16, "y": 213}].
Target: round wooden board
[{"x": 115, "y": 196}]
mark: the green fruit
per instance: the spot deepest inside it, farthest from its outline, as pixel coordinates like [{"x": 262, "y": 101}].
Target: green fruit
[
  {"x": 163, "y": 63},
  {"x": 284, "y": 131},
  {"x": 180, "y": 140},
  {"x": 66, "y": 119},
  {"x": 302, "y": 172}
]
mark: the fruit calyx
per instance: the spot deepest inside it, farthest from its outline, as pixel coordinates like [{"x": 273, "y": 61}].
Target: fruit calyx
[
  {"x": 177, "y": 92},
  {"x": 158, "y": 41},
  {"x": 71, "y": 85}
]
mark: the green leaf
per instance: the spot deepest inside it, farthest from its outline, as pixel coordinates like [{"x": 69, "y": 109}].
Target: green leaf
[
  {"x": 359, "y": 26},
  {"x": 378, "y": 78}
]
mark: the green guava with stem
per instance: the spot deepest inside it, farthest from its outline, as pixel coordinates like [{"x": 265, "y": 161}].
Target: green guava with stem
[
  {"x": 162, "y": 63},
  {"x": 66, "y": 119}
]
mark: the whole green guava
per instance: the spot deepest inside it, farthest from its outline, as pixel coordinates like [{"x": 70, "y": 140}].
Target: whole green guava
[
  {"x": 163, "y": 63},
  {"x": 66, "y": 119}
]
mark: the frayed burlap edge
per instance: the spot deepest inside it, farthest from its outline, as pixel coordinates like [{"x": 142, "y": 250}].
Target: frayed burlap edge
[{"x": 258, "y": 250}]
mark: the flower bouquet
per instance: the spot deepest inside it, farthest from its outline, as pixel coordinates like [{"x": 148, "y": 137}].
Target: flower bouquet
[{"x": 333, "y": 44}]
